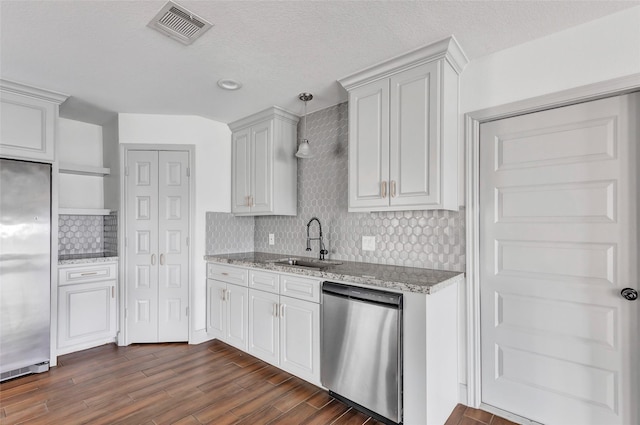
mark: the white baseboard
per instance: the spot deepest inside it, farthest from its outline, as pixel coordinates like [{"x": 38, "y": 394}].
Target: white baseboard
[
  {"x": 199, "y": 336},
  {"x": 462, "y": 394}
]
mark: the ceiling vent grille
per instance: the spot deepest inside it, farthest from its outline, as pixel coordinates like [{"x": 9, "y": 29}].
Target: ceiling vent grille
[{"x": 178, "y": 23}]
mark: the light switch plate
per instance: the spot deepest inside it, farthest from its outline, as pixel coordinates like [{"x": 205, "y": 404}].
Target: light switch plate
[
  {"x": 368, "y": 243},
  {"x": 272, "y": 239}
]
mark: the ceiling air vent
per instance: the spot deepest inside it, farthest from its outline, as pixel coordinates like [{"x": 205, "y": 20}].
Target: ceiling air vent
[{"x": 178, "y": 23}]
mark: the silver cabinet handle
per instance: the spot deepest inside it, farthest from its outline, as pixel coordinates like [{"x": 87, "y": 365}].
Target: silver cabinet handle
[
  {"x": 223, "y": 293},
  {"x": 88, "y": 274},
  {"x": 393, "y": 188},
  {"x": 162, "y": 259},
  {"x": 281, "y": 310},
  {"x": 153, "y": 259},
  {"x": 383, "y": 189},
  {"x": 113, "y": 292},
  {"x": 275, "y": 310}
]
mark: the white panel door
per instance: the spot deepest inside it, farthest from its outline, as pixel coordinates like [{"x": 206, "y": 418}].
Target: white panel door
[
  {"x": 157, "y": 256},
  {"x": 173, "y": 249},
  {"x": 261, "y": 167},
  {"x": 559, "y": 240},
  {"x": 414, "y": 165},
  {"x": 264, "y": 329},
  {"x": 236, "y": 315},
  {"x": 369, "y": 145},
  {"x": 300, "y": 338},
  {"x": 241, "y": 168},
  {"x": 142, "y": 246}
]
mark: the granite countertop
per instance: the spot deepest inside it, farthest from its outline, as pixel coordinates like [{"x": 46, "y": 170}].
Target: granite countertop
[
  {"x": 408, "y": 279},
  {"x": 95, "y": 257}
]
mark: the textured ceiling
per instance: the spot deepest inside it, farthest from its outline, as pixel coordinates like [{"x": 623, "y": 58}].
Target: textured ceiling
[{"x": 103, "y": 54}]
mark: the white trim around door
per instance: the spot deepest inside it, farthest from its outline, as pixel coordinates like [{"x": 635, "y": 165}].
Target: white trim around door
[
  {"x": 122, "y": 227},
  {"x": 473, "y": 120}
]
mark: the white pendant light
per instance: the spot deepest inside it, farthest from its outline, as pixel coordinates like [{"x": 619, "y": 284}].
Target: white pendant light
[{"x": 304, "y": 150}]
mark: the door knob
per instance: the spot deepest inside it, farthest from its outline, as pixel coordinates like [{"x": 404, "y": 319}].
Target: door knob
[{"x": 629, "y": 294}]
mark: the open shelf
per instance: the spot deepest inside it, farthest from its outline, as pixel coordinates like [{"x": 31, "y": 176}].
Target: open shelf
[
  {"x": 84, "y": 170},
  {"x": 83, "y": 211}
]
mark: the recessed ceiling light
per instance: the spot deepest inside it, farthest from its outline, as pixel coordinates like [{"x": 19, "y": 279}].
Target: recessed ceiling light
[{"x": 229, "y": 84}]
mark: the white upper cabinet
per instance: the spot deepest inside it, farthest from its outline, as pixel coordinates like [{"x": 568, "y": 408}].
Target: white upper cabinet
[
  {"x": 403, "y": 131},
  {"x": 28, "y": 120},
  {"x": 264, "y": 166}
]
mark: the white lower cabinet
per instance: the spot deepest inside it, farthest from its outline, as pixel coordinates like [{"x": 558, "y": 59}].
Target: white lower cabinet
[
  {"x": 227, "y": 312},
  {"x": 300, "y": 338},
  {"x": 281, "y": 330},
  {"x": 285, "y": 332},
  {"x": 86, "y": 307},
  {"x": 264, "y": 326}
]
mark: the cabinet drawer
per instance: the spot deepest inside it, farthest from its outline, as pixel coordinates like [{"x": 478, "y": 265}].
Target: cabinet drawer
[
  {"x": 229, "y": 274},
  {"x": 86, "y": 273},
  {"x": 264, "y": 281},
  {"x": 303, "y": 288}
]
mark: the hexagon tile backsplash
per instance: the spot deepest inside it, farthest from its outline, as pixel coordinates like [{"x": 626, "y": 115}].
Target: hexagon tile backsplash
[
  {"x": 426, "y": 239},
  {"x": 87, "y": 234}
]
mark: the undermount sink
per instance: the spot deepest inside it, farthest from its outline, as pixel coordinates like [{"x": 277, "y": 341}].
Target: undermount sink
[{"x": 306, "y": 262}]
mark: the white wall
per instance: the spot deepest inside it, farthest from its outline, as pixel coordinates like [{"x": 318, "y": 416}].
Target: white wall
[
  {"x": 212, "y": 141},
  {"x": 597, "y": 51},
  {"x": 80, "y": 143},
  {"x": 593, "y": 52}
]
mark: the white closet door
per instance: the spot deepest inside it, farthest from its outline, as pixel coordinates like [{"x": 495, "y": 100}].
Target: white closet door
[
  {"x": 173, "y": 249},
  {"x": 559, "y": 241},
  {"x": 142, "y": 246}
]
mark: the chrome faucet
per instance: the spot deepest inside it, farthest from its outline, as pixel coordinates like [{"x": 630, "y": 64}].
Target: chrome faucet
[{"x": 323, "y": 251}]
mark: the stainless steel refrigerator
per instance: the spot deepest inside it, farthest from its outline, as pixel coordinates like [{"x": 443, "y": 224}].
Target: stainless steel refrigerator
[{"x": 25, "y": 267}]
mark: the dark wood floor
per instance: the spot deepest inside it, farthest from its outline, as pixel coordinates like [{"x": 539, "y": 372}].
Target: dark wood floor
[{"x": 210, "y": 383}]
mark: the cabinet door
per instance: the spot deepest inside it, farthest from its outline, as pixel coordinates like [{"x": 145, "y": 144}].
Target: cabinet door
[
  {"x": 173, "y": 251},
  {"x": 261, "y": 166},
  {"x": 27, "y": 127},
  {"x": 415, "y": 155},
  {"x": 237, "y": 313},
  {"x": 300, "y": 338},
  {"x": 369, "y": 146},
  {"x": 87, "y": 314},
  {"x": 264, "y": 325},
  {"x": 216, "y": 314},
  {"x": 241, "y": 171}
]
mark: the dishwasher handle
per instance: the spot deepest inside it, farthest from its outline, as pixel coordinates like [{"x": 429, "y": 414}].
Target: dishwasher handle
[{"x": 391, "y": 299}]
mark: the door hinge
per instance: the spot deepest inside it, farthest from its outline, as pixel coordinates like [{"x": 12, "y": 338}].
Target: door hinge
[
  {"x": 188, "y": 172},
  {"x": 126, "y": 170},
  {"x": 125, "y": 241},
  {"x": 126, "y": 312},
  {"x": 187, "y": 240},
  {"x": 187, "y": 310}
]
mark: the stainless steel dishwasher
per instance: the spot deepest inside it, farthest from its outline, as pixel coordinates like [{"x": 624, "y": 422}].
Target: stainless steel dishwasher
[{"x": 361, "y": 360}]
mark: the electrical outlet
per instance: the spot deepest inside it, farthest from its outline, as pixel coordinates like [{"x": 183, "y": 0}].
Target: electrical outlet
[
  {"x": 368, "y": 243},
  {"x": 272, "y": 239}
]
